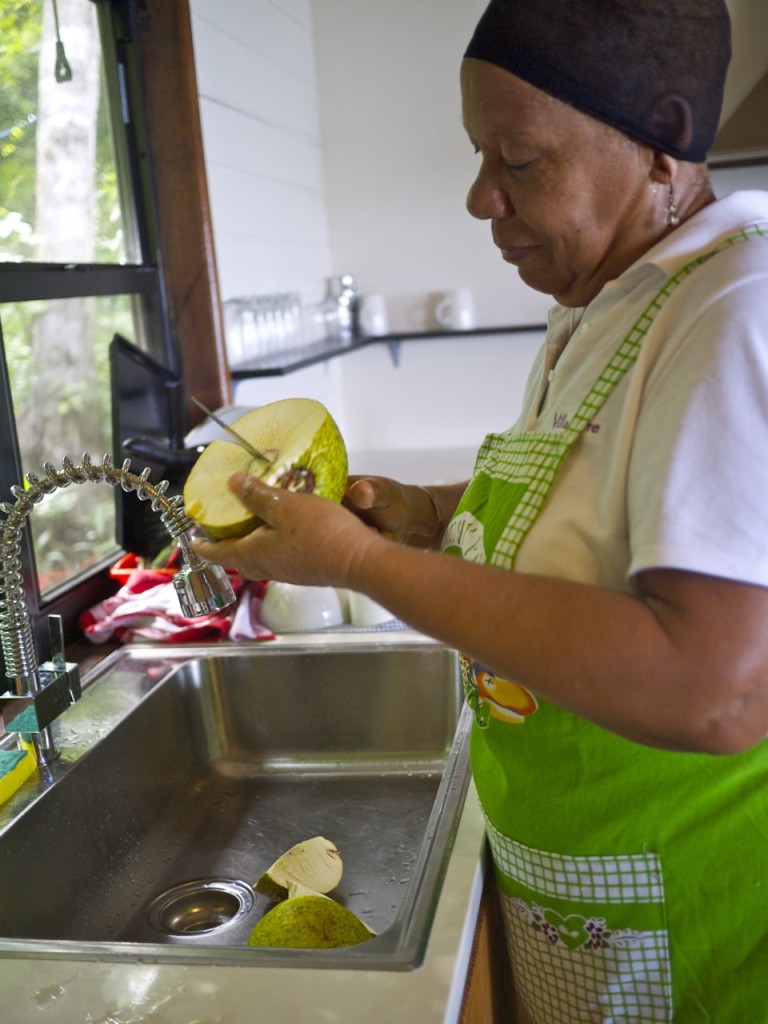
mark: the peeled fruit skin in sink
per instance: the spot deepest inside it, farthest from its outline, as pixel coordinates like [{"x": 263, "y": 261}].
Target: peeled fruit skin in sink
[
  {"x": 314, "y": 864},
  {"x": 307, "y": 451},
  {"x": 309, "y": 921}
]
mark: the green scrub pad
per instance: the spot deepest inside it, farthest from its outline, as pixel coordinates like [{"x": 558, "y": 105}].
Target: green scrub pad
[{"x": 15, "y": 768}]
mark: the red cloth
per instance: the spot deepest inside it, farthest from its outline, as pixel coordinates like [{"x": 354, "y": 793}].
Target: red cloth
[{"x": 147, "y": 608}]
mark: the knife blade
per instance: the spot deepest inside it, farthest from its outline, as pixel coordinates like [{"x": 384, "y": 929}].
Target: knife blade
[{"x": 233, "y": 433}]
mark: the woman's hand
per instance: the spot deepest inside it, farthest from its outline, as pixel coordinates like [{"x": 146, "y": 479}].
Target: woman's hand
[
  {"x": 405, "y": 513},
  {"x": 305, "y": 539}
]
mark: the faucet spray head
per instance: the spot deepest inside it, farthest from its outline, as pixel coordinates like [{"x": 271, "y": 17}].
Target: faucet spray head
[{"x": 201, "y": 587}]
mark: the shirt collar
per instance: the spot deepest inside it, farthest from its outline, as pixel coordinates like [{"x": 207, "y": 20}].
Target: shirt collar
[{"x": 705, "y": 230}]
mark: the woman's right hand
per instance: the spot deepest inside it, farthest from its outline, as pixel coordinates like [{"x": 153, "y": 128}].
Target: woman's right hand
[{"x": 405, "y": 513}]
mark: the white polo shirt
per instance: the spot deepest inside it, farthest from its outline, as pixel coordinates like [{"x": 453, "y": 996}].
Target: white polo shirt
[{"x": 673, "y": 472}]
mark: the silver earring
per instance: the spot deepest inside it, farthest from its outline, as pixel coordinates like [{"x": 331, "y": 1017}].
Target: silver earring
[{"x": 671, "y": 215}]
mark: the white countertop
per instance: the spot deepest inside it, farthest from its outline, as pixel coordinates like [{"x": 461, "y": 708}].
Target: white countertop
[{"x": 40, "y": 991}]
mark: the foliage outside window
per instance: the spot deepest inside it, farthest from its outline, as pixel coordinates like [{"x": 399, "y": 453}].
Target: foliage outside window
[{"x": 72, "y": 269}]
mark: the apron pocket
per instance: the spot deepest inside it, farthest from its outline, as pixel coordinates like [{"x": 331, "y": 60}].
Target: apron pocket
[{"x": 587, "y": 935}]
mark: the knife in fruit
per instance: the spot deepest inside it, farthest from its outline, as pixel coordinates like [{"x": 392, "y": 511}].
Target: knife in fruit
[{"x": 232, "y": 433}]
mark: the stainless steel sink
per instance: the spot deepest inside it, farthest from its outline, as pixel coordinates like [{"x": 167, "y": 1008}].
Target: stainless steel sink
[{"x": 186, "y": 772}]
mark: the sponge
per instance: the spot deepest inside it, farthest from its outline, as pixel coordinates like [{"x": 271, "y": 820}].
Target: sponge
[{"x": 15, "y": 768}]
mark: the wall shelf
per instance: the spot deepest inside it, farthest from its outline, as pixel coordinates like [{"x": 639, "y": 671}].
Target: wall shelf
[{"x": 280, "y": 363}]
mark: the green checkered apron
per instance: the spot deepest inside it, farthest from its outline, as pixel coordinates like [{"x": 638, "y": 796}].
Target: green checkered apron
[{"x": 629, "y": 876}]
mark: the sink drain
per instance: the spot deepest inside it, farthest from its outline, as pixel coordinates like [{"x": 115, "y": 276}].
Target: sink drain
[{"x": 197, "y": 908}]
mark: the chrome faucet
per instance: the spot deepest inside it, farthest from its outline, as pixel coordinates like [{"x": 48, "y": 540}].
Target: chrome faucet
[{"x": 42, "y": 692}]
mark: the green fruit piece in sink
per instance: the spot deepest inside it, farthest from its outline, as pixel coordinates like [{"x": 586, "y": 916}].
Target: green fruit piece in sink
[{"x": 309, "y": 921}]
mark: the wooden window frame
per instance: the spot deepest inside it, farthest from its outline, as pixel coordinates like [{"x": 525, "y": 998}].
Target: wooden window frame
[{"x": 176, "y": 162}]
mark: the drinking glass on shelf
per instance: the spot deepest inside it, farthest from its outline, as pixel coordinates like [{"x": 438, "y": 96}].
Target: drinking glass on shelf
[
  {"x": 234, "y": 330},
  {"x": 262, "y": 325}
]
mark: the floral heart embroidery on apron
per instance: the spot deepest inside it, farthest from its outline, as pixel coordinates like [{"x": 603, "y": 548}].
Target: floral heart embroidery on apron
[
  {"x": 575, "y": 931},
  {"x": 570, "y": 930}
]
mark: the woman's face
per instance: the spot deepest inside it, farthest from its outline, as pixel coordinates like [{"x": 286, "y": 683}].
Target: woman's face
[{"x": 569, "y": 198}]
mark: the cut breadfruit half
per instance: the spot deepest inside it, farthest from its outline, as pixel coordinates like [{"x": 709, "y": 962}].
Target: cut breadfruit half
[{"x": 303, "y": 451}]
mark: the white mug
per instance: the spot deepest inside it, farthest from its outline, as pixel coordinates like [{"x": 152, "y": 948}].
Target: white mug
[
  {"x": 456, "y": 311},
  {"x": 372, "y": 316}
]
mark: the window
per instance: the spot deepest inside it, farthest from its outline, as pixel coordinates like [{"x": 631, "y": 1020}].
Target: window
[
  {"x": 77, "y": 260},
  {"x": 149, "y": 278}
]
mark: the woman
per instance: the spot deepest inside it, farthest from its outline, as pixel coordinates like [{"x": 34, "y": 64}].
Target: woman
[{"x": 610, "y": 592}]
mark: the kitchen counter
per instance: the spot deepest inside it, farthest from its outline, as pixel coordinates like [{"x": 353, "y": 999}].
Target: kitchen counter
[{"x": 38, "y": 991}]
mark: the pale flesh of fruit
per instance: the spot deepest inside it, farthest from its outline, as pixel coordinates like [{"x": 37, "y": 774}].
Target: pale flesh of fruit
[
  {"x": 306, "y": 453},
  {"x": 313, "y": 864}
]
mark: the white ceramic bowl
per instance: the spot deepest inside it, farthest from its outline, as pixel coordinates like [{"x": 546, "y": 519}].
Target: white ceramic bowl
[
  {"x": 287, "y": 607},
  {"x": 365, "y": 612}
]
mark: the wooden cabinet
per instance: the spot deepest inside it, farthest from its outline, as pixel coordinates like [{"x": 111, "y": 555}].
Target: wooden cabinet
[{"x": 489, "y": 995}]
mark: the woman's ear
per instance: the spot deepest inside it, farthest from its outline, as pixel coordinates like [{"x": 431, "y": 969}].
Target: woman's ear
[
  {"x": 670, "y": 118},
  {"x": 663, "y": 168}
]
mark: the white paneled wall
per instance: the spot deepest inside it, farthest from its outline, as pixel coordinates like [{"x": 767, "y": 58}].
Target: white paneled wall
[
  {"x": 257, "y": 85},
  {"x": 399, "y": 163},
  {"x": 377, "y": 191},
  {"x": 443, "y": 395},
  {"x": 258, "y": 103}
]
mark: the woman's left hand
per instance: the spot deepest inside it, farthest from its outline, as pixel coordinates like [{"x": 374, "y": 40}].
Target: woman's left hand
[{"x": 304, "y": 538}]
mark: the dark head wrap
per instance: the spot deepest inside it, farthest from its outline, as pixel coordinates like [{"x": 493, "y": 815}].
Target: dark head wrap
[{"x": 653, "y": 68}]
